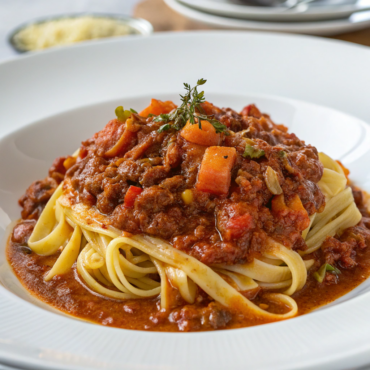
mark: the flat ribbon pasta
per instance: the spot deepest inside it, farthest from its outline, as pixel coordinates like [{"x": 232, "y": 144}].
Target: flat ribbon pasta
[
  {"x": 124, "y": 266},
  {"x": 340, "y": 211}
]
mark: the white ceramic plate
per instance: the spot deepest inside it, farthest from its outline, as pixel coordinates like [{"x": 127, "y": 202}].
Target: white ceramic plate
[
  {"x": 93, "y": 79},
  {"x": 318, "y": 10},
  {"x": 354, "y": 22}
]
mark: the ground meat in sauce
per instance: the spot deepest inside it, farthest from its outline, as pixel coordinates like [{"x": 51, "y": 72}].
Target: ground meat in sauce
[
  {"x": 342, "y": 250},
  {"x": 229, "y": 229},
  {"x": 36, "y": 197},
  {"x": 57, "y": 170},
  {"x": 191, "y": 318},
  {"x": 225, "y": 229},
  {"x": 22, "y": 231},
  {"x": 165, "y": 164}
]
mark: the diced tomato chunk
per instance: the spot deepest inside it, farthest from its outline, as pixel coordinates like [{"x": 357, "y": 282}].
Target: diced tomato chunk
[
  {"x": 158, "y": 107},
  {"x": 215, "y": 171},
  {"x": 238, "y": 225},
  {"x": 205, "y": 136},
  {"x": 251, "y": 110},
  {"x": 131, "y": 195}
]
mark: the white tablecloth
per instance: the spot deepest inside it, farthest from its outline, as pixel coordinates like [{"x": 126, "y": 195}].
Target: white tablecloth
[{"x": 16, "y": 12}]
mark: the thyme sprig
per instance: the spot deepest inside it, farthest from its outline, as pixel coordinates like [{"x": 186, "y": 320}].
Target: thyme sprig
[{"x": 190, "y": 110}]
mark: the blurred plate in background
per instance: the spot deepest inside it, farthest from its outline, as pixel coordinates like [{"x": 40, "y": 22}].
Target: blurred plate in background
[
  {"x": 313, "y": 11},
  {"x": 354, "y": 22}
]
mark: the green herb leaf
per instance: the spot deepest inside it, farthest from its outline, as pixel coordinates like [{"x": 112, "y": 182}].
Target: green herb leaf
[
  {"x": 191, "y": 110},
  {"x": 133, "y": 110},
  {"x": 318, "y": 277},
  {"x": 162, "y": 118},
  {"x": 282, "y": 154},
  {"x": 253, "y": 152},
  {"x": 151, "y": 115},
  {"x": 122, "y": 114},
  {"x": 320, "y": 274},
  {"x": 331, "y": 268},
  {"x": 164, "y": 127}
]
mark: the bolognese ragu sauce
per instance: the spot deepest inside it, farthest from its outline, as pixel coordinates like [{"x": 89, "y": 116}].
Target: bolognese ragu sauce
[{"x": 206, "y": 194}]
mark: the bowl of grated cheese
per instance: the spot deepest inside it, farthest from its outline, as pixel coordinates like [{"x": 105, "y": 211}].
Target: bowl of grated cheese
[{"x": 70, "y": 29}]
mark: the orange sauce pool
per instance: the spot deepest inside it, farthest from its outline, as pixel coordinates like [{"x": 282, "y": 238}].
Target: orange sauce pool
[{"x": 68, "y": 294}]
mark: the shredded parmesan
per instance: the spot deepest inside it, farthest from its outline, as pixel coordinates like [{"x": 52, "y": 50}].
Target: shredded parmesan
[{"x": 68, "y": 31}]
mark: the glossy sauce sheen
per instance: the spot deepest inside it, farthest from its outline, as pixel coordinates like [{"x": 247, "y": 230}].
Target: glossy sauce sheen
[
  {"x": 314, "y": 295},
  {"x": 68, "y": 293},
  {"x": 136, "y": 175}
]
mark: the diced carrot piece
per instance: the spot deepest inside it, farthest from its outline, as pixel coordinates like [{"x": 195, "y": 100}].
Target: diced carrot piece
[
  {"x": 215, "y": 171},
  {"x": 123, "y": 143},
  {"x": 278, "y": 205},
  {"x": 295, "y": 203},
  {"x": 205, "y": 136},
  {"x": 158, "y": 107},
  {"x": 131, "y": 195},
  {"x": 292, "y": 211}
]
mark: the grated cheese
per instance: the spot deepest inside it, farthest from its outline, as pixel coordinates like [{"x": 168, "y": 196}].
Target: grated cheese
[{"x": 69, "y": 31}]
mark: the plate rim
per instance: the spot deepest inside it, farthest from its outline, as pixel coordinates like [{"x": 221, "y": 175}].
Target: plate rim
[
  {"x": 25, "y": 360},
  {"x": 247, "y": 36},
  {"x": 179, "y": 34}
]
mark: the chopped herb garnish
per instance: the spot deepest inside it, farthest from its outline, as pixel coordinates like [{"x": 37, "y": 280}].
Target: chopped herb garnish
[
  {"x": 253, "y": 152},
  {"x": 151, "y": 115},
  {"x": 164, "y": 127},
  {"x": 162, "y": 118},
  {"x": 282, "y": 154},
  {"x": 133, "y": 110},
  {"x": 331, "y": 268},
  {"x": 190, "y": 110},
  {"x": 320, "y": 274},
  {"x": 122, "y": 114}
]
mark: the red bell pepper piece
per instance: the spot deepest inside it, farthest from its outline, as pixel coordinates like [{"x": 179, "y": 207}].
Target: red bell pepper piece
[{"x": 131, "y": 195}]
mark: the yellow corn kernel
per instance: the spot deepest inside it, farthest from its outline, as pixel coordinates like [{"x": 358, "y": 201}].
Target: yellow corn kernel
[{"x": 187, "y": 196}]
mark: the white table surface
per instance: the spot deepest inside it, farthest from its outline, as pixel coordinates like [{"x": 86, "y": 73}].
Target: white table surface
[{"x": 16, "y": 12}]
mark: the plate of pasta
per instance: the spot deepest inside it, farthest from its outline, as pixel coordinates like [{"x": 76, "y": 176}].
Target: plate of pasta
[{"x": 192, "y": 221}]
